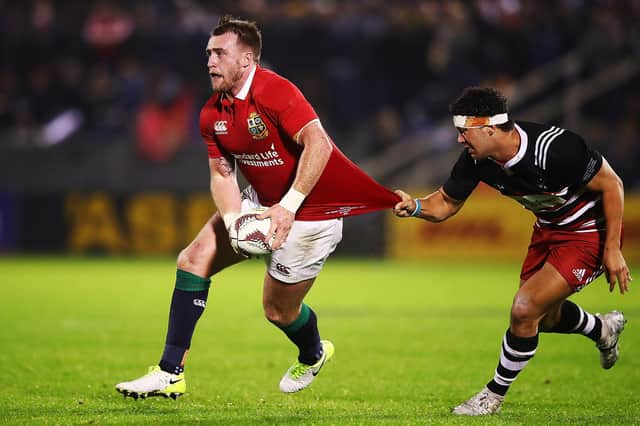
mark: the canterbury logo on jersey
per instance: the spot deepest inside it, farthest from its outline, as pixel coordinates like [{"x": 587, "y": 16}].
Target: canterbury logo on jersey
[
  {"x": 542, "y": 145},
  {"x": 220, "y": 127},
  {"x": 199, "y": 302}
]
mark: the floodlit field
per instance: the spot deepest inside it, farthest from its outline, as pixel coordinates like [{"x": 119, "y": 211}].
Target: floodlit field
[{"x": 412, "y": 340}]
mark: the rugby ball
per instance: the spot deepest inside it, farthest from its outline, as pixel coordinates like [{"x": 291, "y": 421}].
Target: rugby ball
[{"x": 248, "y": 233}]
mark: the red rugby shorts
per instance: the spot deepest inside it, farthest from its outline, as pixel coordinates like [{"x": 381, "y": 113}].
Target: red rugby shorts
[{"x": 577, "y": 256}]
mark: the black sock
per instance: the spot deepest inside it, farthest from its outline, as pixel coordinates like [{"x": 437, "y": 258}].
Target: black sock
[
  {"x": 573, "y": 319},
  {"x": 514, "y": 356},
  {"x": 187, "y": 305},
  {"x": 303, "y": 332}
]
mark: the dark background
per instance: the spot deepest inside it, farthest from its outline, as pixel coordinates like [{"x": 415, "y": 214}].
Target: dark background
[{"x": 103, "y": 96}]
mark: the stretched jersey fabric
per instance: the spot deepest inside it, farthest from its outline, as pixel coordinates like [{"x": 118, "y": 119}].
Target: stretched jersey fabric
[
  {"x": 548, "y": 176},
  {"x": 258, "y": 128}
]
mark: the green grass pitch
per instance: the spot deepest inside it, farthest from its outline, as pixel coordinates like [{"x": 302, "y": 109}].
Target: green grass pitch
[{"x": 412, "y": 340}]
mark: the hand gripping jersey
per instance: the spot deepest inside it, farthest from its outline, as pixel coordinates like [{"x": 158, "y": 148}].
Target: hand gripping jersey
[
  {"x": 548, "y": 176},
  {"x": 257, "y": 129}
]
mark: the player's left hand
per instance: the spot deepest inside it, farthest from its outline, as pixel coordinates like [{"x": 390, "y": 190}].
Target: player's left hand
[
  {"x": 281, "y": 222},
  {"x": 616, "y": 269}
]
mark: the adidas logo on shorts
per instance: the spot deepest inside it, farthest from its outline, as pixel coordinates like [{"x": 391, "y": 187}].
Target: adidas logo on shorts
[{"x": 579, "y": 273}]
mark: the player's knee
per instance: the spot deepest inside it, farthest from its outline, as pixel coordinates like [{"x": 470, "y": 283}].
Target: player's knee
[
  {"x": 275, "y": 314},
  {"x": 195, "y": 257},
  {"x": 185, "y": 260},
  {"x": 523, "y": 311}
]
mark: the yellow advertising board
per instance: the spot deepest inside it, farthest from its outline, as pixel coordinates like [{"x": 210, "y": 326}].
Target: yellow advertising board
[
  {"x": 488, "y": 227},
  {"x": 141, "y": 224}
]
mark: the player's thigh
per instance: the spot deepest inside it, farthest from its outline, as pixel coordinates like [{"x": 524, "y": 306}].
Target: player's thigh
[
  {"x": 576, "y": 256},
  {"x": 210, "y": 251},
  {"x": 541, "y": 293},
  {"x": 305, "y": 251},
  {"x": 291, "y": 270},
  {"x": 282, "y": 301},
  {"x": 579, "y": 261},
  {"x": 536, "y": 257}
]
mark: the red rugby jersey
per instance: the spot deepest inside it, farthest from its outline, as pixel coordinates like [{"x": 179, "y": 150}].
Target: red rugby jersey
[{"x": 257, "y": 129}]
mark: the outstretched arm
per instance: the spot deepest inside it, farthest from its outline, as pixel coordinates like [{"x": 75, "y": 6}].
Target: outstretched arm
[
  {"x": 607, "y": 182},
  {"x": 435, "y": 207}
]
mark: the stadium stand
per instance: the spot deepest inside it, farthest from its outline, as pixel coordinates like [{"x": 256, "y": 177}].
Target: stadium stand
[{"x": 79, "y": 79}]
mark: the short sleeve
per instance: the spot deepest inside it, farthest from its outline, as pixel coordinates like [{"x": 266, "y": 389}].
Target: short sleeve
[
  {"x": 463, "y": 179},
  {"x": 207, "y": 132},
  {"x": 572, "y": 161},
  {"x": 287, "y": 106}
]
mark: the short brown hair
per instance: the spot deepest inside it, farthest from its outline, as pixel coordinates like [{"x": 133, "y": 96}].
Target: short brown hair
[{"x": 247, "y": 31}]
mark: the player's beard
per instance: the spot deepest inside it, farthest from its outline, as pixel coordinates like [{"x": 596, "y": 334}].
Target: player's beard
[{"x": 227, "y": 84}]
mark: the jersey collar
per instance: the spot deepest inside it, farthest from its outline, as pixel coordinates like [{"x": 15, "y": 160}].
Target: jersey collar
[
  {"x": 524, "y": 142},
  {"x": 242, "y": 94}
]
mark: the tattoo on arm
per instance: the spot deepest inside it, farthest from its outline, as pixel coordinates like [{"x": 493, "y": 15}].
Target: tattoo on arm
[{"x": 222, "y": 166}]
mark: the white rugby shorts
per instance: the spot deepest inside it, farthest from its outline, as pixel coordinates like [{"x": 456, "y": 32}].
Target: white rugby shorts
[{"x": 306, "y": 248}]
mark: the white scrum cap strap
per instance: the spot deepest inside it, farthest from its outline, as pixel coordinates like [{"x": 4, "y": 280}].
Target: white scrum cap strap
[{"x": 470, "y": 121}]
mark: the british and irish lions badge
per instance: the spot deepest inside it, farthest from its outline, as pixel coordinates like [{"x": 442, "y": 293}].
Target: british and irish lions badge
[{"x": 257, "y": 128}]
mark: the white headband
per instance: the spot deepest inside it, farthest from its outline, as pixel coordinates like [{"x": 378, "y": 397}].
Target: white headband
[{"x": 470, "y": 121}]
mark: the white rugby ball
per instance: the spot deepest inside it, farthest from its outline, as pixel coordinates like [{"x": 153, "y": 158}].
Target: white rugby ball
[{"x": 249, "y": 233}]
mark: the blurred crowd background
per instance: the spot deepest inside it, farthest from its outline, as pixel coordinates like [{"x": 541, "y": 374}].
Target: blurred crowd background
[{"x": 106, "y": 94}]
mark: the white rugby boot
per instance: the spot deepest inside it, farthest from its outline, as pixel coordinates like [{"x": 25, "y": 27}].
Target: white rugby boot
[
  {"x": 483, "y": 403},
  {"x": 612, "y": 325},
  {"x": 300, "y": 375},
  {"x": 155, "y": 383}
]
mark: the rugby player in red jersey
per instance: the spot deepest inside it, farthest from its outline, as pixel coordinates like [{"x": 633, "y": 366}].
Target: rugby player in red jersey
[
  {"x": 260, "y": 123},
  {"x": 578, "y": 201}
]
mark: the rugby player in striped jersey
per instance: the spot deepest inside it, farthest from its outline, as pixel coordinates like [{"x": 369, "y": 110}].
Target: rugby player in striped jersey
[{"x": 577, "y": 199}]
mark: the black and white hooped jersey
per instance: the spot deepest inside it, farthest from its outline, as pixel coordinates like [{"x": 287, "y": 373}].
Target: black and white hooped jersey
[{"x": 548, "y": 176}]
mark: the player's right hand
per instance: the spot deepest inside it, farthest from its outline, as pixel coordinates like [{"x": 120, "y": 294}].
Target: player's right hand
[
  {"x": 616, "y": 269},
  {"x": 281, "y": 223},
  {"x": 406, "y": 206}
]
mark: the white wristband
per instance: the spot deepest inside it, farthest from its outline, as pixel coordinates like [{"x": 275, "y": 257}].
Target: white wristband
[
  {"x": 229, "y": 218},
  {"x": 292, "y": 200}
]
